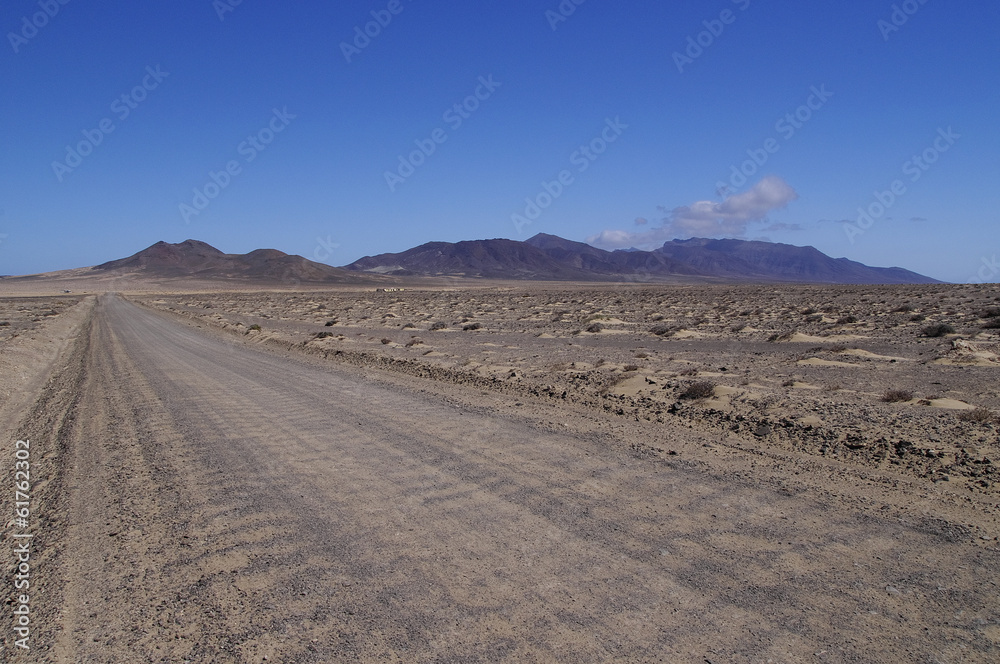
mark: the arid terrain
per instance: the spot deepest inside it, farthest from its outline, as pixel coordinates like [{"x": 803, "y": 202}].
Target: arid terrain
[{"x": 517, "y": 472}]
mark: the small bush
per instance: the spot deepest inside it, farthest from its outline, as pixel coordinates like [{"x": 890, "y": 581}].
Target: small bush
[
  {"x": 699, "y": 390},
  {"x": 595, "y": 328},
  {"x": 330, "y": 323},
  {"x": 992, "y": 324},
  {"x": 472, "y": 326},
  {"x": 5, "y": 323},
  {"x": 781, "y": 336},
  {"x": 413, "y": 342},
  {"x": 978, "y": 415},
  {"x": 990, "y": 312},
  {"x": 916, "y": 318},
  {"x": 386, "y": 341},
  {"x": 630, "y": 367},
  {"x": 789, "y": 383},
  {"x": 939, "y": 330},
  {"x": 409, "y": 326},
  {"x": 846, "y": 320},
  {"x": 662, "y": 330},
  {"x": 255, "y": 328},
  {"x": 322, "y": 335},
  {"x": 438, "y": 326},
  {"x": 904, "y": 309},
  {"x": 896, "y": 396}
]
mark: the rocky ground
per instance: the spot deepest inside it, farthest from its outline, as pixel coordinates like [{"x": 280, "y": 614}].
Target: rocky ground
[
  {"x": 521, "y": 473},
  {"x": 900, "y": 377}
]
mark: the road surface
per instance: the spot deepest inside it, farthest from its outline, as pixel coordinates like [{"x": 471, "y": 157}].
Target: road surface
[{"x": 217, "y": 503}]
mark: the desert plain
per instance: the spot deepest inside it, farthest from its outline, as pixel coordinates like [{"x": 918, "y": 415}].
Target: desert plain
[{"x": 462, "y": 472}]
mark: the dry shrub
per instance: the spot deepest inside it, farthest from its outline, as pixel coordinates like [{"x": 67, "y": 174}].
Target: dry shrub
[
  {"x": 699, "y": 390},
  {"x": 896, "y": 396},
  {"x": 662, "y": 330},
  {"x": 938, "y": 330},
  {"x": 977, "y": 415}
]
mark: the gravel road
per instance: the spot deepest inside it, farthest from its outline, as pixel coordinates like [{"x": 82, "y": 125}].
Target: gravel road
[{"x": 211, "y": 502}]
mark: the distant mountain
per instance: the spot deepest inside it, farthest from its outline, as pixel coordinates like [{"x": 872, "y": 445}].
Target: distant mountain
[
  {"x": 196, "y": 259},
  {"x": 490, "y": 259},
  {"x": 769, "y": 261},
  {"x": 549, "y": 257}
]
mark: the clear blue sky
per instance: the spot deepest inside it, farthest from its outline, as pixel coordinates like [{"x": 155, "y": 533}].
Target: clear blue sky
[{"x": 679, "y": 125}]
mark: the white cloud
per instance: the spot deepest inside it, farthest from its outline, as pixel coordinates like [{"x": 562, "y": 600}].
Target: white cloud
[{"x": 708, "y": 218}]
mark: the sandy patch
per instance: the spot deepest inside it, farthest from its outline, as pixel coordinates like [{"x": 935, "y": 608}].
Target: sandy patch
[
  {"x": 798, "y": 337},
  {"x": 950, "y": 404},
  {"x": 873, "y": 356},
  {"x": 818, "y": 362}
]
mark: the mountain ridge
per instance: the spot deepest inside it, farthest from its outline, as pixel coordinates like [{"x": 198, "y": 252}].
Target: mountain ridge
[
  {"x": 197, "y": 259},
  {"x": 550, "y": 257}
]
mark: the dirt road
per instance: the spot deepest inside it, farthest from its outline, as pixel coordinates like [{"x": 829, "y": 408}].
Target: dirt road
[{"x": 214, "y": 503}]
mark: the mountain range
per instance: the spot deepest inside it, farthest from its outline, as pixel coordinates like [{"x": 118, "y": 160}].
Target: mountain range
[
  {"x": 540, "y": 258},
  {"x": 196, "y": 259},
  {"x": 549, "y": 257}
]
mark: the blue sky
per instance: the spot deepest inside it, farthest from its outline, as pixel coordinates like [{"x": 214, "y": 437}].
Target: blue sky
[{"x": 276, "y": 125}]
